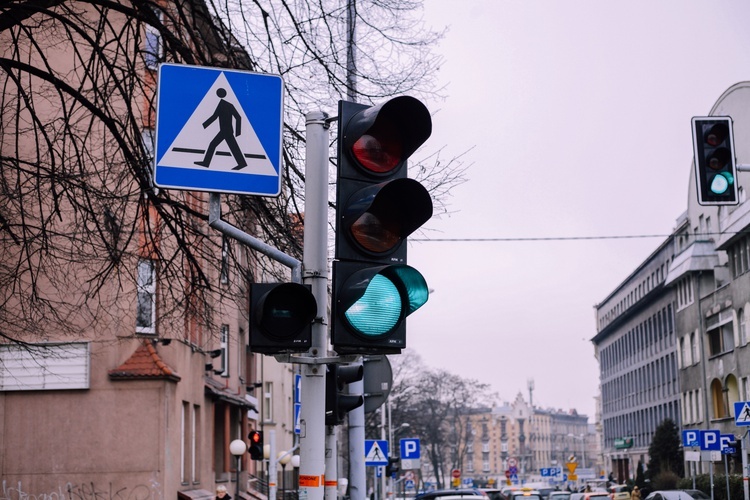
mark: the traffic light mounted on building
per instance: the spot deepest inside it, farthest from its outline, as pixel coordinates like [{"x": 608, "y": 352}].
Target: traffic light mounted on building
[
  {"x": 281, "y": 317},
  {"x": 377, "y": 207},
  {"x": 256, "y": 445},
  {"x": 715, "y": 169},
  {"x": 339, "y": 402}
]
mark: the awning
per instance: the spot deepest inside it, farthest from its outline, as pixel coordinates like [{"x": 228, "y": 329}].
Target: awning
[{"x": 218, "y": 393}]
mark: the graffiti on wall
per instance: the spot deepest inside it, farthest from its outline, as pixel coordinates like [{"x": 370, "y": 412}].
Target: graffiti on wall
[{"x": 85, "y": 491}]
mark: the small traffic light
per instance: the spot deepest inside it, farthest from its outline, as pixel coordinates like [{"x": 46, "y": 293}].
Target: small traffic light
[
  {"x": 715, "y": 169},
  {"x": 377, "y": 208},
  {"x": 256, "y": 445},
  {"x": 393, "y": 467},
  {"x": 338, "y": 402},
  {"x": 281, "y": 317}
]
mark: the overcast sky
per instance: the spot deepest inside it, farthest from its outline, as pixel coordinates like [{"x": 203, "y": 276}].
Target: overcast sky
[{"x": 578, "y": 113}]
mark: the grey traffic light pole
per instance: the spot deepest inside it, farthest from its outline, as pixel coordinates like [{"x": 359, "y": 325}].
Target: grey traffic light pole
[{"x": 315, "y": 264}]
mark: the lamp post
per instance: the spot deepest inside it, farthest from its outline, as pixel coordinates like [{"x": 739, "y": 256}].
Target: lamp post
[
  {"x": 582, "y": 437},
  {"x": 295, "y": 466},
  {"x": 237, "y": 448},
  {"x": 284, "y": 458}
]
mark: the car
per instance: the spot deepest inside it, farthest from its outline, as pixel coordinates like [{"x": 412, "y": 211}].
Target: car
[
  {"x": 619, "y": 492},
  {"x": 453, "y": 494},
  {"x": 559, "y": 495},
  {"x": 524, "y": 494},
  {"x": 493, "y": 493},
  {"x": 677, "y": 495},
  {"x": 590, "y": 495}
]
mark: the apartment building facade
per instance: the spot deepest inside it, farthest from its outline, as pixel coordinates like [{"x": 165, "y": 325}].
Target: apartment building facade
[
  {"x": 671, "y": 338},
  {"x": 138, "y": 392}
]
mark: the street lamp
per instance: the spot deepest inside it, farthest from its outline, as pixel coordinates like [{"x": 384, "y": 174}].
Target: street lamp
[
  {"x": 295, "y": 466},
  {"x": 582, "y": 437},
  {"x": 237, "y": 448},
  {"x": 284, "y": 458}
]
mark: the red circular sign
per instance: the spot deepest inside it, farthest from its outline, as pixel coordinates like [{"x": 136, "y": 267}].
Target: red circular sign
[{"x": 456, "y": 473}]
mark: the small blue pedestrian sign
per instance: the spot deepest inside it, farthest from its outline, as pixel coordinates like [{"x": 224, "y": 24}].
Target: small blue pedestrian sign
[
  {"x": 376, "y": 452},
  {"x": 218, "y": 130},
  {"x": 742, "y": 413}
]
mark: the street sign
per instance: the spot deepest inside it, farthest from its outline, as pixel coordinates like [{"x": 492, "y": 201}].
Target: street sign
[
  {"x": 742, "y": 413},
  {"x": 691, "y": 438},
  {"x": 512, "y": 462},
  {"x": 376, "y": 452},
  {"x": 726, "y": 441},
  {"x": 218, "y": 130},
  {"x": 709, "y": 440},
  {"x": 409, "y": 448},
  {"x": 456, "y": 473},
  {"x": 297, "y": 422}
]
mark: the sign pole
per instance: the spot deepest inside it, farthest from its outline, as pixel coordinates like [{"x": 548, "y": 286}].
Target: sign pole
[
  {"x": 312, "y": 412},
  {"x": 745, "y": 484}
]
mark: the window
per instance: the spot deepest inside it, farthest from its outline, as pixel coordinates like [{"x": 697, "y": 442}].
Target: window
[
  {"x": 224, "y": 274},
  {"x": 696, "y": 354},
  {"x": 717, "y": 399},
  {"x": 743, "y": 327},
  {"x": 268, "y": 402},
  {"x": 44, "y": 366},
  {"x": 224, "y": 346},
  {"x": 154, "y": 50},
  {"x": 145, "y": 321}
]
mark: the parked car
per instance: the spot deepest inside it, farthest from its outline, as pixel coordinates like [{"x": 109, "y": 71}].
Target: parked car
[
  {"x": 591, "y": 495},
  {"x": 619, "y": 492},
  {"x": 453, "y": 494},
  {"x": 493, "y": 493},
  {"x": 524, "y": 494},
  {"x": 559, "y": 495},
  {"x": 677, "y": 495}
]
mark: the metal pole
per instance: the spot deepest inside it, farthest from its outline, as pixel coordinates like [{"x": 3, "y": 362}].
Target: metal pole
[
  {"x": 726, "y": 475},
  {"x": 237, "y": 486},
  {"x": 357, "y": 469},
  {"x": 331, "y": 481},
  {"x": 312, "y": 411},
  {"x": 382, "y": 437},
  {"x": 272, "y": 477},
  {"x": 745, "y": 484}
]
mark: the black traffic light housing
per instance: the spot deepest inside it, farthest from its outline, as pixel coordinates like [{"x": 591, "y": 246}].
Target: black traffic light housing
[
  {"x": 377, "y": 208},
  {"x": 256, "y": 445},
  {"x": 338, "y": 401},
  {"x": 715, "y": 168},
  {"x": 393, "y": 467},
  {"x": 281, "y": 316}
]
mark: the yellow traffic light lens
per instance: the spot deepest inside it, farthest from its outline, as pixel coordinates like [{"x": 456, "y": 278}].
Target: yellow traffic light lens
[{"x": 376, "y": 234}]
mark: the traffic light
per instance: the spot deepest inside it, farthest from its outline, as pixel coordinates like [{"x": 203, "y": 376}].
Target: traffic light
[
  {"x": 377, "y": 207},
  {"x": 715, "y": 169},
  {"x": 281, "y": 317},
  {"x": 339, "y": 403},
  {"x": 256, "y": 445},
  {"x": 393, "y": 467}
]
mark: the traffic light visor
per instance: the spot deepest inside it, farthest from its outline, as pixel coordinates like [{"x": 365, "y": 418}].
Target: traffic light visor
[
  {"x": 381, "y": 138},
  {"x": 379, "y": 217}
]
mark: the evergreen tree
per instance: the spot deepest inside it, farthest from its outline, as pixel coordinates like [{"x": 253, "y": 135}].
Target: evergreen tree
[
  {"x": 664, "y": 451},
  {"x": 640, "y": 479}
]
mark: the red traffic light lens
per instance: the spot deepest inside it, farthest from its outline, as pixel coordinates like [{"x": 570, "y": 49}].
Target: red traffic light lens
[
  {"x": 717, "y": 134},
  {"x": 379, "y": 150},
  {"x": 255, "y": 437}
]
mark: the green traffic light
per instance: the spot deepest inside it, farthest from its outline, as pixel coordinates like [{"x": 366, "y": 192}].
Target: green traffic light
[
  {"x": 721, "y": 182},
  {"x": 378, "y": 310}
]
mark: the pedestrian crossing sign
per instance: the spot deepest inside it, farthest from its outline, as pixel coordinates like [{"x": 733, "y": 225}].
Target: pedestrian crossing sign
[
  {"x": 742, "y": 413},
  {"x": 218, "y": 130},
  {"x": 376, "y": 452}
]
